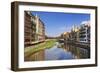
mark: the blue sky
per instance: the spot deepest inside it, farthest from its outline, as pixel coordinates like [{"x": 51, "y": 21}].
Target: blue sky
[{"x": 57, "y": 23}]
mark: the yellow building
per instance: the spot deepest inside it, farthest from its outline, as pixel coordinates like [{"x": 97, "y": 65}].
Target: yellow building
[
  {"x": 74, "y": 34},
  {"x": 66, "y": 35},
  {"x": 40, "y": 29}
]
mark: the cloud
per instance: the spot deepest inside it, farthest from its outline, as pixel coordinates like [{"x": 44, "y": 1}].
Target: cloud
[{"x": 85, "y": 22}]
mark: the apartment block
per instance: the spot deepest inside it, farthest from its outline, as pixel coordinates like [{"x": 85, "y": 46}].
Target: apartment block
[
  {"x": 85, "y": 32},
  {"x": 80, "y": 33},
  {"x": 34, "y": 29}
]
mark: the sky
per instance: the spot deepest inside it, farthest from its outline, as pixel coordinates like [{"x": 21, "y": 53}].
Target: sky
[{"x": 56, "y": 22}]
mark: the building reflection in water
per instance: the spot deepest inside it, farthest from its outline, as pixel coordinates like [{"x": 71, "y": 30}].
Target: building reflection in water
[
  {"x": 62, "y": 52},
  {"x": 38, "y": 56},
  {"x": 77, "y": 52}
]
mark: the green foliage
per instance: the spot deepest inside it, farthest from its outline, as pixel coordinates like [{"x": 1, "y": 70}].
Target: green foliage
[{"x": 44, "y": 45}]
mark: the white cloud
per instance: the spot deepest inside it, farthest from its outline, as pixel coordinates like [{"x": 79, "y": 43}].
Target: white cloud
[{"x": 85, "y": 22}]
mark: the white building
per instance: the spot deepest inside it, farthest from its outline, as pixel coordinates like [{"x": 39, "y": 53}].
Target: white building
[{"x": 85, "y": 32}]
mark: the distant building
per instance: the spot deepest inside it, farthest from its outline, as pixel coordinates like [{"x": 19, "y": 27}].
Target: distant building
[
  {"x": 65, "y": 35},
  {"x": 74, "y": 34},
  {"x": 34, "y": 29}
]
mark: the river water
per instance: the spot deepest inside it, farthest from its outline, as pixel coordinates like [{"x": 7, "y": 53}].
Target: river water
[{"x": 61, "y": 51}]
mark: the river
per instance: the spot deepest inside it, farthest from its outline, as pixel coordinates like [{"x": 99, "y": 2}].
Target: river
[{"x": 61, "y": 51}]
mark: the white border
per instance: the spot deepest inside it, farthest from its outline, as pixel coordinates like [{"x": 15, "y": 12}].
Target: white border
[{"x": 23, "y": 64}]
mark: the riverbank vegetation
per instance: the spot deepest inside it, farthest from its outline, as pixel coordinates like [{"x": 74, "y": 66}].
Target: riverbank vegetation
[{"x": 35, "y": 48}]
